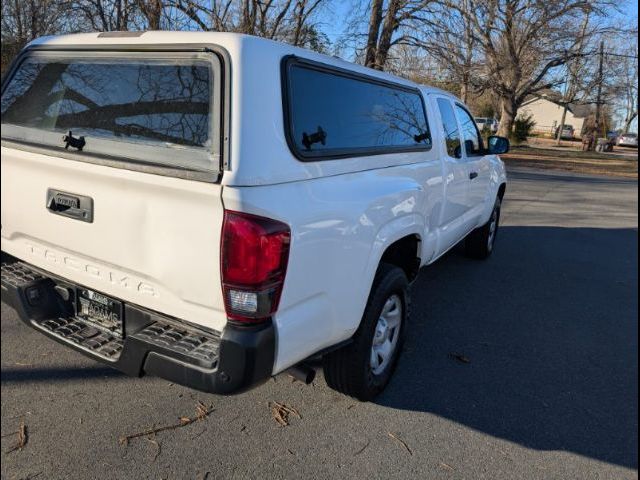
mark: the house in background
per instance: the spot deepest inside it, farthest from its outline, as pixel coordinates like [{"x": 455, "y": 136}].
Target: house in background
[{"x": 546, "y": 111}]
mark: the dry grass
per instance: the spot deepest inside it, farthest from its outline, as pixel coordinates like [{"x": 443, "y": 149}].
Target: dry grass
[{"x": 574, "y": 161}]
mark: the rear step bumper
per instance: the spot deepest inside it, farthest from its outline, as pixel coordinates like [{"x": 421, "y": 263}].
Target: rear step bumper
[{"x": 228, "y": 362}]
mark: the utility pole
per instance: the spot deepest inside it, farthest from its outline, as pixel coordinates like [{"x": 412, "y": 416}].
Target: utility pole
[{"x": 599, "y": 95}]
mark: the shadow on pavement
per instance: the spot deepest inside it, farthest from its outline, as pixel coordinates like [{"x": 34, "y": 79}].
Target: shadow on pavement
[
  {"x": 549, "y": 325},
  {"x": 516, "y": 173},
  {"x": 14, "y": 375}
]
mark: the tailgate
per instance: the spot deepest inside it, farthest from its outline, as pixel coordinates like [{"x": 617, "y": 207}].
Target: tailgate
[
  {"x": 141, "y": 181},
  {"x": 154, "y": 240}
]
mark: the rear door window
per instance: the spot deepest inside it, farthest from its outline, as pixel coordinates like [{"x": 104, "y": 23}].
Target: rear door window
[
  {"x": 157, "y": 109},
  {"x": 332, "y": 113}
]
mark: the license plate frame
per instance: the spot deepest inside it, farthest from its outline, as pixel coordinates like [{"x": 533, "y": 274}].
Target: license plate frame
[{"x": 101, "y": 310}]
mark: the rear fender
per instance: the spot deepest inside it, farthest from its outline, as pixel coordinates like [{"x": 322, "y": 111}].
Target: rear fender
[{"x": 396, "y": 229}]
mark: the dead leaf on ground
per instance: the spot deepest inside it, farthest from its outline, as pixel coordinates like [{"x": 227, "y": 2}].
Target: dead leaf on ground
[
  {"x": 22, "y": 437},
  {"x": 202, "y": 412},
  {"x": 402, "y": 442},
  {"x": 460, "y": 357},
  {"x": 281, "y": 412},
  {"x": 447, "y": 467},
  {"x": 157, "y": 445}
]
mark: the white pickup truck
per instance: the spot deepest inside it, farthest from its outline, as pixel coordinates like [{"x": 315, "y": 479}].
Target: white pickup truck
[{"x": 216, "y": 208}]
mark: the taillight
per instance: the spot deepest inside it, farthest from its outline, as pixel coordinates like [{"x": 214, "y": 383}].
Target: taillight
[{"x": 254, "y": 256}]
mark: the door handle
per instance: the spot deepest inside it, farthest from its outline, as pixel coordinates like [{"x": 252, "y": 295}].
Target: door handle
[{"x": 473, "y": 175}]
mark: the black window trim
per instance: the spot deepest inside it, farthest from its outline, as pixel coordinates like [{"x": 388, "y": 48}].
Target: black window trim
[
  {"x": 292, "y": 60},
  {"x": 224, "y": 87},
  {"x": 482, "y": 151}
]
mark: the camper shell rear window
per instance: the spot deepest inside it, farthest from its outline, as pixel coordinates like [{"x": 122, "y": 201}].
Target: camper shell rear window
[{"x": 142, "y": 107}]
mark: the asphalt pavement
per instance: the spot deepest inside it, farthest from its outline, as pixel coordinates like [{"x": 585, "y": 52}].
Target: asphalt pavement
[{"x": 523, "y": 366}]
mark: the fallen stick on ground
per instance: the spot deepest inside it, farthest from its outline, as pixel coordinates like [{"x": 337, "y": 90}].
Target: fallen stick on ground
[
  {"x": 362, "y": 449},
  {"x": 202, "y": 411},
  {"x": 459, "y": 357},
  {"x": 402, "y": 442},
  {"x": 22, "y": 437}
]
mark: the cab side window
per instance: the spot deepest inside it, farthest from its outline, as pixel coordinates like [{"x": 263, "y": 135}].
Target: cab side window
[
  {"x": 450, "y": 125},
  {"x": 470, "y": 134}
]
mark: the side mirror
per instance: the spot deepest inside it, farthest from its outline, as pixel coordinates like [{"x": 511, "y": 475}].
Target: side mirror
[{"x": 498, "y": 145}]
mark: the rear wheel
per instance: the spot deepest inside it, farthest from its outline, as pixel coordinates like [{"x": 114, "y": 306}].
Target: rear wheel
[
  {"x": 363, "y": 368},
  {"x": 480, "y": 242}
]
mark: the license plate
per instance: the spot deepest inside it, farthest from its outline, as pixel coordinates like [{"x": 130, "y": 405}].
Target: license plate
[{"x": 100, "y": 309}]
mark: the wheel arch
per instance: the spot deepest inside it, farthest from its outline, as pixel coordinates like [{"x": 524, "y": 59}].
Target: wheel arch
[
  {"x": 502, "y": 190},
  {"x": 405, "y": 254}
]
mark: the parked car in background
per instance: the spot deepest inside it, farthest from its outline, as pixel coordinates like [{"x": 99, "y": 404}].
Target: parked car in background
[
  {"x": 211, "y": 208},
  {"x": 487, "y": 123},
  {"x": 628, "y": 140},
  {"x": 567, "y": 132}
]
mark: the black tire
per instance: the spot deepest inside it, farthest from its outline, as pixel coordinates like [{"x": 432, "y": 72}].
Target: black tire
[
  {"x": 480, "y": 243},
  {"x": 349, "y": 370}
]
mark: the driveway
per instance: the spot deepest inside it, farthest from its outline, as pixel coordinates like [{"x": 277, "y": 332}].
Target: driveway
[{"x": 524, "y": 366}]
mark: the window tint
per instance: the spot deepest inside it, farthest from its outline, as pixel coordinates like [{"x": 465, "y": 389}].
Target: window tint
[
  {"x": 450, "y": 124},
  {"x": 331, "y": 114},
  {"x": 470, "y": 134},
  {"x": 166, "y": 101}
]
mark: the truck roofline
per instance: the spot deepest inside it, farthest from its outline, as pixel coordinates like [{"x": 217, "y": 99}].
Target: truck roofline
[{"x": 228, "y": 40}]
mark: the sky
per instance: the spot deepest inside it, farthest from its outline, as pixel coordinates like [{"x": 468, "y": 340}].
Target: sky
[
  {"x": 335, "y": 16},
  {"x": 334, "y": 19}
]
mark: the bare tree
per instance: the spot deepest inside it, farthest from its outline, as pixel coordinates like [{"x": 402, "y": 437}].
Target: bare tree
[
  {"x": 26, "y": 20},
  {"x": 385, "y": 22},
  {"x": 449, "y": 39},
  {"x": 522, "y": 43},
  {"x": 627, "y": 85},
  {"x": 106, "y": 15},
  {"x": 291, "y": 21},
  {"x": 579, "y": 83}
]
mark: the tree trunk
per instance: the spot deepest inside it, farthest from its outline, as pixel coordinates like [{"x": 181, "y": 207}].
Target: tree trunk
[
  {"x": 374, "y": 32},
  {"x": 389, "y": 26},
  {"x": 562, "y": 120},
  {"x": 508, "y": 116},
  {"x": 627, "y": 124},
  {"x": 152, "y": 11},
  {"x": 464, "y": 89}
]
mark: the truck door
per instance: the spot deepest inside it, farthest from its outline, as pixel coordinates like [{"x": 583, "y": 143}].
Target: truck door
[
  {"x": 477, "y": 163},
  {"x": 456, "y": 177}
]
